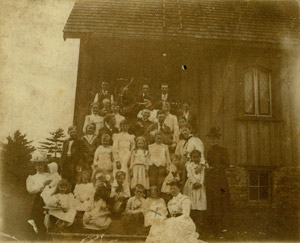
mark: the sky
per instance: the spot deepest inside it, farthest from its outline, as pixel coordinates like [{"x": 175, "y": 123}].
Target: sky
[{"x": 38, "y": 69}]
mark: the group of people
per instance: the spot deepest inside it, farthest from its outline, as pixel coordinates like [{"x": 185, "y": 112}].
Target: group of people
[{"x": 136, "y": 162}]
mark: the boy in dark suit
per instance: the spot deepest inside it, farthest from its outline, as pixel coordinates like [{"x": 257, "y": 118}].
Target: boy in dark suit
[{"x": 72, "y": 156}]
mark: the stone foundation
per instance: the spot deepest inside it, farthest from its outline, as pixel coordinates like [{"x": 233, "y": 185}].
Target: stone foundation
[
  {"x": 285, "y": 187},
  {"x": 238, "y": 179}
]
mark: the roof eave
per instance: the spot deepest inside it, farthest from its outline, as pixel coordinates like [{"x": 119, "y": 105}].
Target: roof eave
[{"x": 216, "y": 41}]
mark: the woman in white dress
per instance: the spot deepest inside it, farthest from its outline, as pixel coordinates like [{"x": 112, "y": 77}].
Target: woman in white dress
[
  {"x": 180, "y": 227},
  {"x": 123, "y": 144},
  {"x": 184, "y": 148},
  {"x": 35, "y": 184},
  {"x": 94, "y": 117}
]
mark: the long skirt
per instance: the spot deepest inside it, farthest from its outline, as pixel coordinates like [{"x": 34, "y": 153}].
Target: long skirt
[
  {"x": 37, "y": 213},
  {"x": 197, "y": 196},
  {"x": 174, "y": 230},
  {"x": 139, "y": 176},
  {"x": 99, "y": 221},
  {"x": 68, "y": 171}
]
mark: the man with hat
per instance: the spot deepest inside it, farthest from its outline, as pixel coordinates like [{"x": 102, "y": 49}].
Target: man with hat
[
  {"x": 217, "y": 188},
  {"x": 71, "y": 160}
]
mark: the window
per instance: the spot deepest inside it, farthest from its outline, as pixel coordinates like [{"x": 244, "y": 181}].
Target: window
[
  {"x": 257, "y": 92},
  {"x": 259, "y": 185}
]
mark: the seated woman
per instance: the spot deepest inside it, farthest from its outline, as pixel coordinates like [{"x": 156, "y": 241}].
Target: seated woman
[
  {"x": 180, "y": 227},
  {"x": 35, "y": 184}
]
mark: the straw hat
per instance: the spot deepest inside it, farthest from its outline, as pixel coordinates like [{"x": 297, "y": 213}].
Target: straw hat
[{"x": 39, "y": 158}]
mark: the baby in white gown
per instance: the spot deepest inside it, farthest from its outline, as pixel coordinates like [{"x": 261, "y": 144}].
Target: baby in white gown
[{"x": 55, "y": 178}]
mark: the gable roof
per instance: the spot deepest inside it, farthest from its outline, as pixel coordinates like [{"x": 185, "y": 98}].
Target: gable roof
[{"x": 242, "y": 20}]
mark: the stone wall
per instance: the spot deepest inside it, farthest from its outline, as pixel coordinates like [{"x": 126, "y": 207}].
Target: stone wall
[
  {"x": 285, "y": 190},
  {"x": 238, "y": 180}
]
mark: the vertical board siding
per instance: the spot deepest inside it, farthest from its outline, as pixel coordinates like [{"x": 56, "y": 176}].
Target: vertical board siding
[
  {"x": 217, "y": 104},
  {"x": 264, "y": 143},
  {"x": 211, "y": 83},
  {"x": 286, "y": 141},
  {"x": 83, "y": 80},
  {"x": 242, "y": 146},
  {"x": 229, "y": 111},
  {"x": 253, "y": 143},
  {"x": 205, "y": 102}
]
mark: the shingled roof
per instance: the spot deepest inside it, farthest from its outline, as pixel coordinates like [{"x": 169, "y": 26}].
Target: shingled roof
[{"x": 255, "y": 21}]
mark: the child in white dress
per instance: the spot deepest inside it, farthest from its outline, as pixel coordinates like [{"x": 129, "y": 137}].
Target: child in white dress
[
  {"x": 84, "y": 192},
  {"x": 62, "y": 205},
  {"x": 155, "y": 208},
  {"x": 194, "y": 187},
  {"x": 123, "y": 144},
  {"x": 103, "y": 158},
  {"x": 94, "y": 117},
  {"x": 139, "y": 164},
  {"x": 55, "y": 179}
]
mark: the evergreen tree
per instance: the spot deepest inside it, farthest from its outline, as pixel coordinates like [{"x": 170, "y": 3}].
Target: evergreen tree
[
  {"x": 53, "y": 145},
  {"x": 16, "y": 156}
]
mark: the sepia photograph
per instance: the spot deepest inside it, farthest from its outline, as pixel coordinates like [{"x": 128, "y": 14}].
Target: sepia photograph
[{"x": 156, "y": 121}]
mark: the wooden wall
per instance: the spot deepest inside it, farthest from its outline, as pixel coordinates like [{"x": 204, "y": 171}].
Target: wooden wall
[{"x": 212, "y": 82}]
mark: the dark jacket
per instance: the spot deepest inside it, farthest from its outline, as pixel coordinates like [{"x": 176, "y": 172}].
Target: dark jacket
[
  {"x": 76, "y": 152},
  {"x": 106, "y": 130},
  {"x": 141, "y": 127},
  {"x": 192, "y": 118},
  {"x": 168, "y": 135},
  {"x": 89, "y": 150}
]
